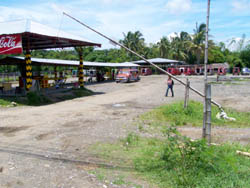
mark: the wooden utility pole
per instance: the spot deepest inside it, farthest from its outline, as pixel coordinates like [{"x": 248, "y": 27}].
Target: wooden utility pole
[
  {"x": 186, "y": 93},
  {"x": 206, "y": 114}
]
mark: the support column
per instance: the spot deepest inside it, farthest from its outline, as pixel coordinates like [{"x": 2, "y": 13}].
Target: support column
[
  {"x": 28, "y": 70},
  {"x": 55, "y": 73},
  {"x": 81, "y": 75}
]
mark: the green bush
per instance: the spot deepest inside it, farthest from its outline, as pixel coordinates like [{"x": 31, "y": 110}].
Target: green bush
[
  {"x": 33, "y": 98},
  {"x": 82, "y": 92},
  {"x": 180, "y": 162},
  {"x": 131, "y": 139}
]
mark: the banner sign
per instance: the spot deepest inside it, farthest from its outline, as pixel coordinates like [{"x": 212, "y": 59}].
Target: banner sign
[{"x": 10, "y": 44}]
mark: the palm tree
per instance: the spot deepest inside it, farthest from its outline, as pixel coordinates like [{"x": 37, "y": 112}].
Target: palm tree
[
  {"x": 196, "y": 45},
  {"x": 164, "y": 47},
  {"x": 184, "y": 36},
  {"x": 199, "y": 33},
  {"x": 134, "y": 41},
  {"x": 178, "y": 47}
]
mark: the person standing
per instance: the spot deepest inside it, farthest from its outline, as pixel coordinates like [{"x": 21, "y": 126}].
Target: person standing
[{"x": 170, "y": 83}]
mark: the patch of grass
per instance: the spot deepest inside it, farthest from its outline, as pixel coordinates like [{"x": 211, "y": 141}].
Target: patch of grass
[
  {"x": 35, "y": 99},
  {"x": 6, "y": 101},
  {"x": 213, "y": 83},
  {"x": 113, "y": 177},
  {"x": 193, "y": 116},
  {"x": 119, "y": 180},
  {"x": 176, "y": 161},
  {"x": 241, "y": 79},
  {"x": 82, "y": 92},
  {"x": 32, "y": 99}
]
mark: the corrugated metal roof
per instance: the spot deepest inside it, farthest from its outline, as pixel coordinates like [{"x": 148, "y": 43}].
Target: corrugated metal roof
[
  {"x": 21, "y": 26},
  {"x": 60, "y": 62},
  {"x": 157, "y": 60}
]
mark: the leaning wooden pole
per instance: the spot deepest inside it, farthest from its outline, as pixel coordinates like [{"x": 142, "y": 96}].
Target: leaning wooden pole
[{"x": 138, "y": 55}]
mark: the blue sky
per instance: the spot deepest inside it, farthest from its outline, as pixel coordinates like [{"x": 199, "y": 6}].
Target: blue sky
[{"x": 153, "y": 18}]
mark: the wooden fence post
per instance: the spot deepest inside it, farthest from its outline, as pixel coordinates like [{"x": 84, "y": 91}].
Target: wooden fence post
[
  {"x": 208, "y": 112},
  {"x": 206, "y": 132},
  {"x": 186, "y": 94}
]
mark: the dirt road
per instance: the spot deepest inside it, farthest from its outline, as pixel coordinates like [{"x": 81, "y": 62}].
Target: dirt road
[{"x": 47, "y": 146}]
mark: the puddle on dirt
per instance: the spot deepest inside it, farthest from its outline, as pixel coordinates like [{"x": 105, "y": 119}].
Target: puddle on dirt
[
  {"x": 119, "y": 113},
  {"x": 118, "y": 105},
  {"x": 9, "y": 131},
  {"x": 76, "y": 124},
  {"x": 44, "y": 136}
]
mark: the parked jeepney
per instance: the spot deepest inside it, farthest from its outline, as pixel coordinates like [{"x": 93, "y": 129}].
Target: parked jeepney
[{"x": 127, "y": 75}]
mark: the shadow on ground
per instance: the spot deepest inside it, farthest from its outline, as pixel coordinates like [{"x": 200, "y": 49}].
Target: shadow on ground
[{"x": 46, "y": 97}]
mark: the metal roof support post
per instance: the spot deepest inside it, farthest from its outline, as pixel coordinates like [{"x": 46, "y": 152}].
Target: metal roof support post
[
  {"x": 81, "y": 75},
  {"x": 28, "y": 70},
  {"x": 55, "y": 73}
]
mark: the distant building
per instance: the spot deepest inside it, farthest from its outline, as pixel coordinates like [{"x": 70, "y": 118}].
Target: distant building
[{"x": 161, "y": 62}]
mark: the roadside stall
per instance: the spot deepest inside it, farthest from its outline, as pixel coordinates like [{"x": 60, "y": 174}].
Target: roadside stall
[
  {"x": 46, "y": 81},
  {"x": 23, "y": 36}
]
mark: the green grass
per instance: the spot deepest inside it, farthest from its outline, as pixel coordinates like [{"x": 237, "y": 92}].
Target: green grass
[
  {"x": 4, "y": 102},
  {"x": 172, "y": 160},
  {"x": 82, "y": 92},
  {"x": 192, "y": 116},
  {"x": 112, "y": 176},
  {"x": 175, "y": 161},
  {"x": 225, "y": 83},
  {"x": 10, "y": 79},
  {"x": 241, "y": 79},
  {"x": 32, "y": 99},
  {"x": 36, "y": 99}
]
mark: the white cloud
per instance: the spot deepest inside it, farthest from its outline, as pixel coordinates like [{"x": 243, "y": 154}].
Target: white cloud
[
  {"x": 241, "y": 6},
  {"x": 178, "y": 6},
  {"x": 153, "y": 18}
]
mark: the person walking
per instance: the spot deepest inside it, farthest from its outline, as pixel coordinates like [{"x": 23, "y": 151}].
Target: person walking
[{"x": 170, "y": 83}]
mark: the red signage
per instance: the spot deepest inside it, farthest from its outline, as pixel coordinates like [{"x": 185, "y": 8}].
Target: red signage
[{"x": 10, "y": 44}]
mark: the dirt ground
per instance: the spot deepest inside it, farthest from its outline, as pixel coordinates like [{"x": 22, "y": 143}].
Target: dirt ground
[{"x": 47, "y": 146}]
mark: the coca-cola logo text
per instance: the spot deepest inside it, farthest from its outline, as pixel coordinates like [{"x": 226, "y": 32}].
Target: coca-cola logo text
[
  {"x": 11, "y": 44},
  {"x": 7, "y": 42}
]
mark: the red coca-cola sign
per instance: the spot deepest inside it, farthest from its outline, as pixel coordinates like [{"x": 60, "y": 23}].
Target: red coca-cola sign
[{"x": 10, "y": 44}]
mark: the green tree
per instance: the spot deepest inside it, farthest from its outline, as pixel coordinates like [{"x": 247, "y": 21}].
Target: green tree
[
  {"x": 196, "y": 45},
  {"x": 215, "y": 55},
  {"x": 164, "y": 47},
  {"x": 135, "y": 42},
  {"x": 179, "y": 46},
  {"x": 245, "y": 56}
]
